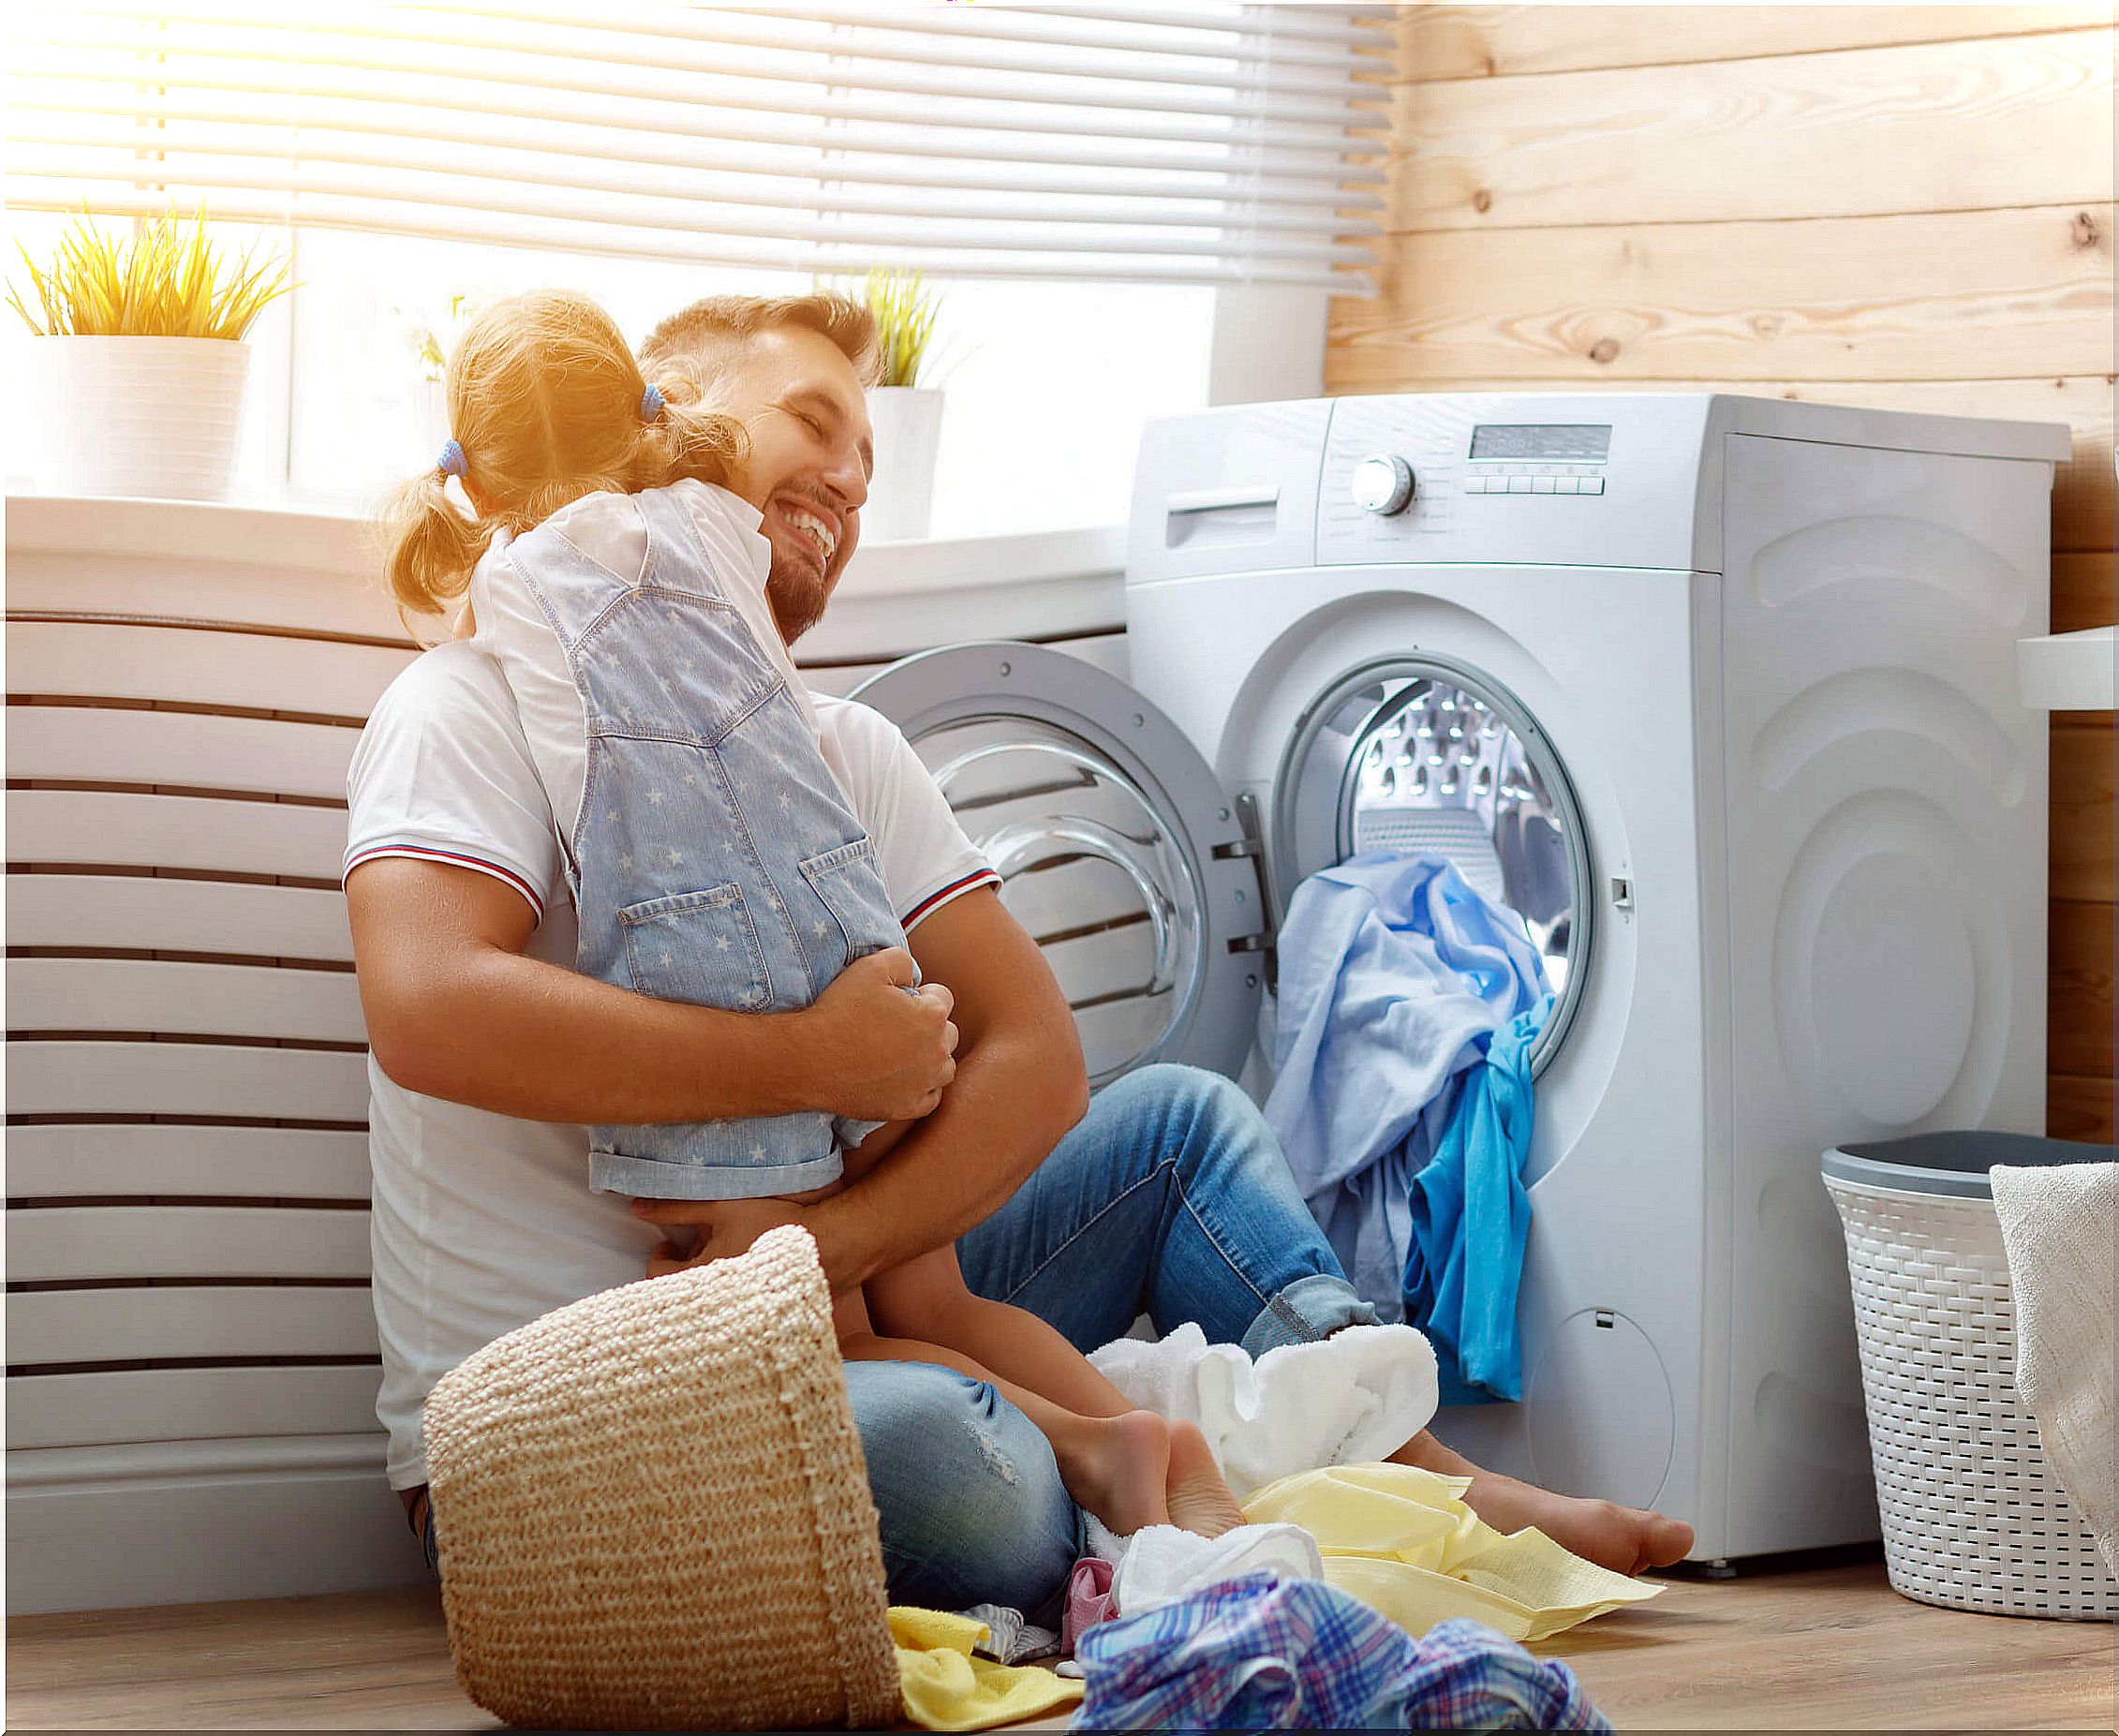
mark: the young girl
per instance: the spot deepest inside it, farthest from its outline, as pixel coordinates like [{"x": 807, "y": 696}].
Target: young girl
[{"x": 620, "y": 585}]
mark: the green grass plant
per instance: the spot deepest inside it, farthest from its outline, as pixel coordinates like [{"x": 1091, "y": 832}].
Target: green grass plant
[
  {"x": 166, "y": 278},
  {"x": 905, "y": 310}
]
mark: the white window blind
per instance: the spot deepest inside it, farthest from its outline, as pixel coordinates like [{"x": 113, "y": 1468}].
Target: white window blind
[{"x": 1205, "y": 143}]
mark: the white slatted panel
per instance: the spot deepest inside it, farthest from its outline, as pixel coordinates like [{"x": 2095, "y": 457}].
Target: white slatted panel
[
  {"x": 123, "y": 829},
  {"x": 202, "y": 1000},
  {"x": 1114, "y": 1032},
  {"x": 184, "y": 1405},
  {"x": 127, "y": 1158},
  {"x": 190, "y": 1279},
  {"x": 91, "y": 744},
  {"x": 1083, "y": 894},
  {"x": 201, "y": 666},
  {"x": 146, "y": 914},
  {"x": 50, "y": 1243},
  {"x": 191, "y": 1322},
  {"x": 90, "y": 1079}
]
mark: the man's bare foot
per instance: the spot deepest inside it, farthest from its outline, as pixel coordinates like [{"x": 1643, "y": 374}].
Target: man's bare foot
[
  {"x": 1199, "y": 1496},
  {"x": 1118, "y": 1467},
  {"x": 1625, "y": 1539}
]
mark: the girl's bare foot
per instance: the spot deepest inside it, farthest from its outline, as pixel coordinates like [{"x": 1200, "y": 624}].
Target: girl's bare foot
[
  {"x": 1199, "y": 1497},
  {"x": 1117, "y": 1468},
  {"x": 1625, "y": 1539}
]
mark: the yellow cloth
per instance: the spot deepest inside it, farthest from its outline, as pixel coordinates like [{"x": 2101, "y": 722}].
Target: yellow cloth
[
  {"x": 946, "y": 1689},
  {"x": 1402, "y": 1540}
]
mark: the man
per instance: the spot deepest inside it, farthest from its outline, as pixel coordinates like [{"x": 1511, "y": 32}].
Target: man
[{"x": 489, "y": 1053}]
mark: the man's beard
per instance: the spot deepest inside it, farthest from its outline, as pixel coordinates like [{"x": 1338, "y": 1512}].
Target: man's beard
[{"x": 796, "y": 592}]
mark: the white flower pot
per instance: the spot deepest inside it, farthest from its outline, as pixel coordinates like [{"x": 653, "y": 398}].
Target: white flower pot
[
  {"x": 907, "y": 421},
  {"x": 149, "y": 416}
]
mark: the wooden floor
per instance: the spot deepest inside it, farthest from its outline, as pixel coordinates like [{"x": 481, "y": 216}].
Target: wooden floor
[{"x": 1833, "y": 1649}]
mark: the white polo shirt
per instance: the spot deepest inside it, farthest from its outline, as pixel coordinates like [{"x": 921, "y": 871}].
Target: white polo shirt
[{"x": 480, "y": 1222}]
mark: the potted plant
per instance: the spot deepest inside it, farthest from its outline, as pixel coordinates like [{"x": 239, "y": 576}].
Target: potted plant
[
  {"x": 431, "y": 340},
  {"x": 138, "y": 354},
  {"x": 905, "y": 414}
]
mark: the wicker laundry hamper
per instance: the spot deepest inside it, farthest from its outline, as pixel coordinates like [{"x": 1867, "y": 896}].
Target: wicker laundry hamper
[
  {"x": 653, "y": 1512},
  {"x": 1974, "y": 1517}
]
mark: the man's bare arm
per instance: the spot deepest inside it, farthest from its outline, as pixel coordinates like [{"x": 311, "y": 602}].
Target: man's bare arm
[
  {"x": 1020, "y": 1085},
  {"x": 454, "y": 1010}
]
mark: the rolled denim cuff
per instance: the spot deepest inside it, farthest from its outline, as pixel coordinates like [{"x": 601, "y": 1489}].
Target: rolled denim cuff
[{"x": 1307, "y": 1309}]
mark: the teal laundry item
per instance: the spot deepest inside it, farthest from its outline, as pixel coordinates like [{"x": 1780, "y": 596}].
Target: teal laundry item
[
  {"x": 1471, "y": 1213},
  {"x": 1396, "y": 978}
]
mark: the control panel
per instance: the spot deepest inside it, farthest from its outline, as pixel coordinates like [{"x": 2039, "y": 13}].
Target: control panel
[{"x": 1546, "y": 478}]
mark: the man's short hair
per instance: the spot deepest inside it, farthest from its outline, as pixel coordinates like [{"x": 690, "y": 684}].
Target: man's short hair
[{"x": 716, "y": 331}]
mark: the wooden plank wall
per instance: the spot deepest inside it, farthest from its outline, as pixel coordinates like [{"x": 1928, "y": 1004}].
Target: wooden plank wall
[{"x": 1896, "y": 205}]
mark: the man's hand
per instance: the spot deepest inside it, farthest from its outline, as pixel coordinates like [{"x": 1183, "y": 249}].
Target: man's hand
[
  {"x": 884, "y": 1050},
  {"x": 726, "y": 1227}
]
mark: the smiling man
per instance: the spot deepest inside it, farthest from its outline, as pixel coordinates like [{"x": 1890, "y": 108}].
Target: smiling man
[{"x": 1168, "y": 1193}]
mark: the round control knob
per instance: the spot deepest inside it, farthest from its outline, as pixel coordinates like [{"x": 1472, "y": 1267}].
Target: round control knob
[{"x": 1382, "y": 483}]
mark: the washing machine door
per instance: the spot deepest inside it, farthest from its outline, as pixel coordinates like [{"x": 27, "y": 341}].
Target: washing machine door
[
  {"x": 1426, "y": 752},
  {"x": 1117, "y": 847}
]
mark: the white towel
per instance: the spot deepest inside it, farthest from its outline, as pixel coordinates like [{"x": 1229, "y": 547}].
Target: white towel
[
  {"x": 1352, "y": 1399},
  {"x": 1162, "y": 1563},
  {"x": 2057, "y": 1225}
]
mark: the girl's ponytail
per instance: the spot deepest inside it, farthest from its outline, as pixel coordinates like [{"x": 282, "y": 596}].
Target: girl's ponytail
[{"x": 429, "y": 546}]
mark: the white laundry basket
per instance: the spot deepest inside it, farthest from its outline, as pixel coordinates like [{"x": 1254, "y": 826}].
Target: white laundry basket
[{"x": 1974, "y": 1517}]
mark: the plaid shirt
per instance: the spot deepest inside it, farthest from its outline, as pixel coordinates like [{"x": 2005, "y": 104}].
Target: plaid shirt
[{"x": 1267, "y": 1652}]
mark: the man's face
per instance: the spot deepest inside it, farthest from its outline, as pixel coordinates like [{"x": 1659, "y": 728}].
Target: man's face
[{"x": 811, "y": 457}]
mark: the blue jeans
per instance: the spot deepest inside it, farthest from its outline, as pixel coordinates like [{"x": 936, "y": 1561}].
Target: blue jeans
[{"x": 1170, "y": 1198}]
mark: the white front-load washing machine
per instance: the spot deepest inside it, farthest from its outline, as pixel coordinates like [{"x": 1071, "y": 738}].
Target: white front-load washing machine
[{"x": 1719, "y": 694}]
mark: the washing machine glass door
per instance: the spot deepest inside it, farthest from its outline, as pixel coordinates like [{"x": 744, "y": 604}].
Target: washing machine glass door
[
  {"x": 1117, "y": 847},
  {"x": 1424, "y": 753}
]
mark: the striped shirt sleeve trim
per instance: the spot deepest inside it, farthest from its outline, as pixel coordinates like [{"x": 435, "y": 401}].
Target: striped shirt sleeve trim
[
  {"x": 427, "y": 853},
  {"x": 956, "y": 888}
]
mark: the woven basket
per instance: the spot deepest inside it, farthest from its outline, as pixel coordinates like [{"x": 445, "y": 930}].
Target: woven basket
[
  {"x": 1974, "y": 1517},
  {"x": 653, "y": 1512}
]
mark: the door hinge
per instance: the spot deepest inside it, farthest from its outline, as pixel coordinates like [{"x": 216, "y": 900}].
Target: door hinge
[{"x": 1251, "y": 848}]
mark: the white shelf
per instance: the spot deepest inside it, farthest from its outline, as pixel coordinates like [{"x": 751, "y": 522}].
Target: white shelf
[{"x": 2070, "y": 672}]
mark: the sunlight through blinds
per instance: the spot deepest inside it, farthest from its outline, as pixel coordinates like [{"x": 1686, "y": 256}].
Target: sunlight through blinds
[{"x": 1183, "y": 144}]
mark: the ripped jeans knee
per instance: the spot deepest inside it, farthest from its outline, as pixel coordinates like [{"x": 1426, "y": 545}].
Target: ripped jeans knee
[{"x": 970, "y": 1501}]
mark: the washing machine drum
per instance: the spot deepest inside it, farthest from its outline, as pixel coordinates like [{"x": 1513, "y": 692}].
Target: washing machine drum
[{"x": 1424, "y": 753}]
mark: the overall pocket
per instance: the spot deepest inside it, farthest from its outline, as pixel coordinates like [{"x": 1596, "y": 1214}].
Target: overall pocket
[
  {"x": 698, "y": 947},
  {"x": 851, "y": 887}
]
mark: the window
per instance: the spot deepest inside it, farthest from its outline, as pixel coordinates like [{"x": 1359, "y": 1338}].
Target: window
[{"x": 1090, "y": 188}]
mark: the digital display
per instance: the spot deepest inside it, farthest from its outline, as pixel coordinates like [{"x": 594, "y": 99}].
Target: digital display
[{"x": 1579, "y": 442}]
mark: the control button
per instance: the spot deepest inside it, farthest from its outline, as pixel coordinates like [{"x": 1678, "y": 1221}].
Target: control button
[
  {"x": 1590, "y": 485},
  {"x": 1475, "y": 484},
  {"x": 1382, "y": 483},
  {"x": 1543, "y": 485},
  {"x": 1565, "y": 484},
  {"x": 1518, "y": 484}
]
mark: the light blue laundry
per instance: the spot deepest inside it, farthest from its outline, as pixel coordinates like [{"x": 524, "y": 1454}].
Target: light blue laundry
[
  {"x": 1263, "y": 1652},
  {"x": 1471, "y": 1213},
  {"x": 1393, "y": 973}
]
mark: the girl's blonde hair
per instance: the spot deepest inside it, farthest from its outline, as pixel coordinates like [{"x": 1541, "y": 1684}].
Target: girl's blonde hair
[{"x": 545, "y": 402}]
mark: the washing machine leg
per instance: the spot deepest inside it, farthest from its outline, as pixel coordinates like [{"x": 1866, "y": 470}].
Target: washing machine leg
[{"x": 1720, "y": 1568}]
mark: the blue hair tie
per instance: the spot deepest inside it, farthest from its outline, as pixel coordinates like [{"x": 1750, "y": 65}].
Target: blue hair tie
[
  {"x": 450, "y": 463},
  {"x": 651, "y": 403}
]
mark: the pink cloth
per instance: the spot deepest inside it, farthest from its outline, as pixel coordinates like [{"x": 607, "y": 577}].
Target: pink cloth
[{"x": 1089, "y": 1600}]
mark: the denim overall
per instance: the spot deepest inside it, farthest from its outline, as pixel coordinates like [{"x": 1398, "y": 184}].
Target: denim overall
[{"x": 715, "y": 860}]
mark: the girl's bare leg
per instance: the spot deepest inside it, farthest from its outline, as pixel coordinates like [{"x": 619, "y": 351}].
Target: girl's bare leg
[{"x": 1117, "y": 1467}]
